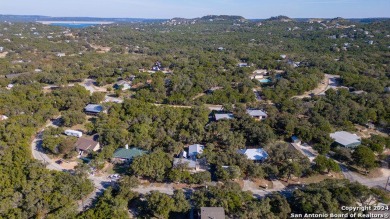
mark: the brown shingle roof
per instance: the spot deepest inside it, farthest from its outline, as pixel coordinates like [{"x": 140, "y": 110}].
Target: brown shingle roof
[{"x": 86, "y": 144}]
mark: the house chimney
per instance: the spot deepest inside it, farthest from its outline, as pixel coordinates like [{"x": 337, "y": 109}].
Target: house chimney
[{"x": 127, "y": 146}]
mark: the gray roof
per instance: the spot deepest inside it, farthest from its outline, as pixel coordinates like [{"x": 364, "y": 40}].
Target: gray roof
[
  {"x": 190, "y": 163},
  {"x": 93, "y": 108},
  {"x": 10, "y": 76},
  {"x": 224, "y": 116},
  {"x": 195, "y": 149},
  {"x": 345, "y": 138},
  {"x": 256, "y": 113},
  {"x": 212, "y": 212}
]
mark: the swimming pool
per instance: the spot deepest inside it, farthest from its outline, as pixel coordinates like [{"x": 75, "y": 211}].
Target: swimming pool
[{"x": 265, "y": 80}]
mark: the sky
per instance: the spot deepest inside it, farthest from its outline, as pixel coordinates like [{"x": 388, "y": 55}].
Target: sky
[{"x": 197, "y": 8}]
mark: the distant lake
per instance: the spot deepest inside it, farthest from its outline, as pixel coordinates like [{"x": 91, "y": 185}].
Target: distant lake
[{"x": 73, "y": 25}]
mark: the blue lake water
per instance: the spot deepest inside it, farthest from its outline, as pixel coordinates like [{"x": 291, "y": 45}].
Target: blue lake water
[{"x": 73, "y": 25}]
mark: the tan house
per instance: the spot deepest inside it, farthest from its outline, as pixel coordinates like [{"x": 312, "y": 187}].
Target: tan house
[{"x": 86, "y": 145}]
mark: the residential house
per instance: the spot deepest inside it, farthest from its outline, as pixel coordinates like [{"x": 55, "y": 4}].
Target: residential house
[
  {"x": 194, "y": 150},
  {"x": 123, "y": 85},
  {"x": 257, "y": 154},
  {"x": 219, "y": 116},
  {"x": 259, "y": 74},
  {"x": 86, "y": 145},
  {"x": 257, "y": 114},
  {"x": 93, "y": 109},
  {"x": 346, "y": 139},
  {"x": 189, "y": 163},
  {"x": 127, "y": 155},
  {"x": 157, "y": 66},
  {"x": 212, "y": 213},
  {"x": 283, "y": 56}
]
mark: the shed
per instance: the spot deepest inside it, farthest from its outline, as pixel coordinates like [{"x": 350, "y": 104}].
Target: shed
[{"x": 346, "y": 139}]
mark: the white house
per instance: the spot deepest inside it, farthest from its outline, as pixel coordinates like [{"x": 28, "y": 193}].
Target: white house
[
  {"x": 256, "y": 154},
  {"x": 219, "y": 116},
  {"x": 194, "y": 150}
]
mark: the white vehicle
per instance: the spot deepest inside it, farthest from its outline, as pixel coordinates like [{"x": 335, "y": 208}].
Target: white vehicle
[{"x": 74, "y": 133}]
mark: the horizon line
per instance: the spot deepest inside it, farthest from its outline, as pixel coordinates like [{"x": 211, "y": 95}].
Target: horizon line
[{"x": 145, "y": 18}]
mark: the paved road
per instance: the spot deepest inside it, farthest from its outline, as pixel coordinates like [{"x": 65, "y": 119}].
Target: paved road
[{"x": 379, "y": 182}]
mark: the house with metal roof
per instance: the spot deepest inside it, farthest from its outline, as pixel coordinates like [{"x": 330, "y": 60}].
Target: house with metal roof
[
  {"x": 257, "y": 114},
  {"x": 346, "y": 139},
  {"x": 126, "y": 154},
  {"x": 257, "y": 154},
  {"x": 219, "y": 116},
  {"x": 122, "y": 84},
  {"x": 93, "y": 109},
  {"x": 194, "y": 150},
  {"x": 190, "y": 164}
]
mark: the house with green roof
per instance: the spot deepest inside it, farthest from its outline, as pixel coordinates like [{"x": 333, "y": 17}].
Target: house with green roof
[{"x": 126, "y": 155}]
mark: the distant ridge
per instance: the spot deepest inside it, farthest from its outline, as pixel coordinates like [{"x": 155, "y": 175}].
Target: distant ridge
[{"x": 234, "y": 18}]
